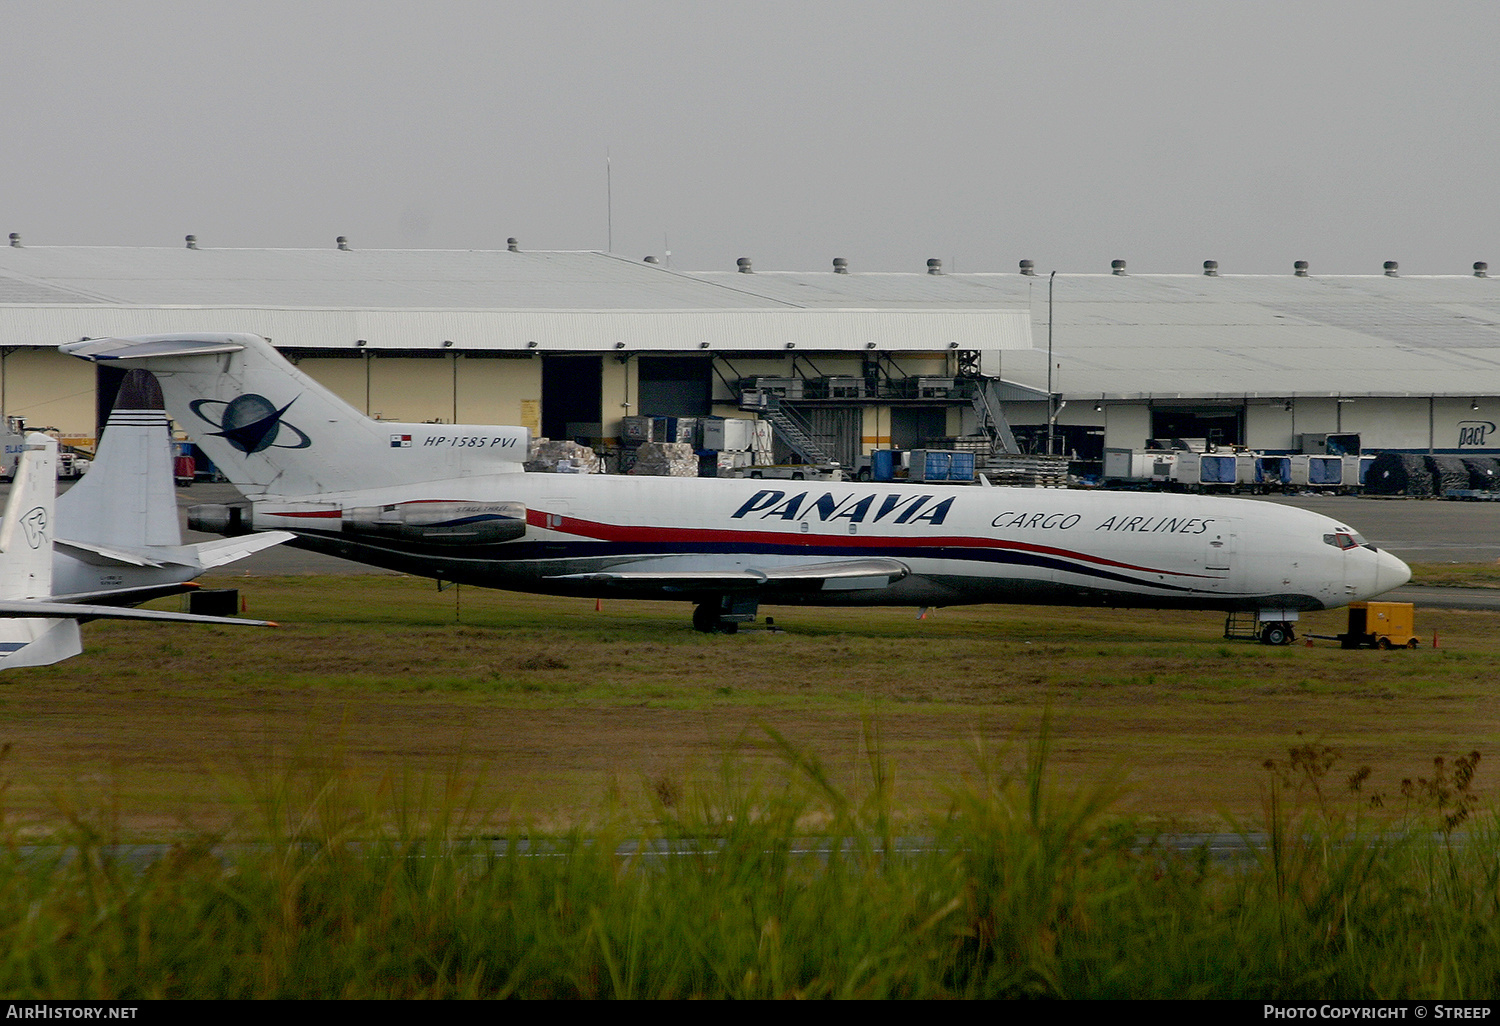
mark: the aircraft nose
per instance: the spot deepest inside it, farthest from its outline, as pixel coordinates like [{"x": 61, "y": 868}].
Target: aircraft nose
[{"x": 1390, "y": 572}]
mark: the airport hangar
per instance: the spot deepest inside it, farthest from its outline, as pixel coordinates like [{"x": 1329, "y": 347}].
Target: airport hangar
[{"x": 568, "y": 343}]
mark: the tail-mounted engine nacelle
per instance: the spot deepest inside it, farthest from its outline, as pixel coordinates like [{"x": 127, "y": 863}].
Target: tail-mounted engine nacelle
[
  {"x": 439, "y": 523},
  {"x": 216, "y": 519}
]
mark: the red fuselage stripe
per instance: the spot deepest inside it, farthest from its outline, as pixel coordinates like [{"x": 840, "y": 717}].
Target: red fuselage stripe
[{"x": 659, "y": 535}]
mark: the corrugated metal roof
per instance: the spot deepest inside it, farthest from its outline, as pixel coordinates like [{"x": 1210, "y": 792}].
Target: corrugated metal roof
[
  {"x": 487, "y": 300},
  {"x": 1117, "y": 336},
  {"x": 1232, "y": 336}
]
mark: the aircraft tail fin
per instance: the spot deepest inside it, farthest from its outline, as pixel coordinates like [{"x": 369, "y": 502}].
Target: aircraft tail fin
[
  {"x": 128, "y": 498},
  {"x": 273, "y": 430},
  {"x": 26, "y": 533},
  {"x": 26, "y": 560}
]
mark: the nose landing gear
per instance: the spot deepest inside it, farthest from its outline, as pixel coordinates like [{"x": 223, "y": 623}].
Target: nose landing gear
[{"x": 1277, "y": 634}]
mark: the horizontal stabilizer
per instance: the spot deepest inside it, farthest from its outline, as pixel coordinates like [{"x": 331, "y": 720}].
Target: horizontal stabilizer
[
  {"x": 104, "y": 554},
  {"x": 193, "y": 344},
  {"x": 847, "y": 574},
  {"x": 227, "y": 550}
]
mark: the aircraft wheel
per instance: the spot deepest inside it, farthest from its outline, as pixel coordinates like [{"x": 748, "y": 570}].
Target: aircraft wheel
[
  {"x": 706, "y": 617},
  {"x": 1276, "y": 634}
]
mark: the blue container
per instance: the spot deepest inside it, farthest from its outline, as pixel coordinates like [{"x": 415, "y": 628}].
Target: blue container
[
  {"x": 883, "y": 465},
  {"x": 963, "y": 467},
  {"x": 938, "y": 466},
  {"x": 1325, "y": 470},
  {"x": 1273, "y": 470},
  {"x": 1216, "y": 470}
]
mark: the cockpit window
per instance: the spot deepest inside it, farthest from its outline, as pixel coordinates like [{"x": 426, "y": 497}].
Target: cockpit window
[{"x": 1344, "y": 540}]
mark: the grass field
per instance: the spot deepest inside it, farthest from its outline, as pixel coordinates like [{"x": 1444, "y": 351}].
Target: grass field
[
  {"x": 392, "y": 749},
  {"x": 554, "y": 713}
]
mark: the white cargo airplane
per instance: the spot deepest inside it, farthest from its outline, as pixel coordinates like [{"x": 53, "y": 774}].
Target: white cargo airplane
[
  {"x": 38, "y": 626},
  {"x": 452, "y": 502},
  {"x": 117, "y": 528}
]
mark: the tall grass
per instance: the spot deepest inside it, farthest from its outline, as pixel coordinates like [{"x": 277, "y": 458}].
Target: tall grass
[{"x": 330, "y": 887}]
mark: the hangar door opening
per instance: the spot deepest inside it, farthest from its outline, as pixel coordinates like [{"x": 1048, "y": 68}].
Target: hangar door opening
[
  {"x": 676, "y": 386},
  {"x": 1224, "y": 426},
  {"x": 913, "y": 427},
  {"x": 572, "y": 394}
]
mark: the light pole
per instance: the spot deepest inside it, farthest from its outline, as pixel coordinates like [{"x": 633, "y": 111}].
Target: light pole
[{"x": 1051, "y": 398}]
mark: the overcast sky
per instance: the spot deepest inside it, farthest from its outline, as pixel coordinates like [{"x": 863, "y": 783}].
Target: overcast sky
[{"x": 1070, "y": 133}]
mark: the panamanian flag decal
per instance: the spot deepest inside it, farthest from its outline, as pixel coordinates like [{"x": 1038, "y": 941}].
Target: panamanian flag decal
[{"x": 401, "y": 441}]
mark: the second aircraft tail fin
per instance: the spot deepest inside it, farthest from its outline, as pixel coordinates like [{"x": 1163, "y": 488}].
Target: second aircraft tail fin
[{"x": 128, "y": 499}]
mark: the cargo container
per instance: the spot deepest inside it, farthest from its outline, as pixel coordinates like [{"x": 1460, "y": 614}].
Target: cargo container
[
  {"x": 1345, "y": 443},
  {"x": 1139, "y": 466},
  {"x": 1206, "y": 470},
  {"x": 940, "y": 465},
  {"x": 726, "y": 433},
  {"x": 1317, "y": 471},
  {"x": 1273, "y": 473}
]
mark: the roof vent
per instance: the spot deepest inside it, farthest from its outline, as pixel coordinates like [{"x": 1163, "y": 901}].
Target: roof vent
[
  {"x": 1481, "y": 269},
  {"x": 343, "y": 242},
  {"x": 743, "y": 263},
  {"x": 1391, "y": 267},
  {"x": 650, "y": 260},
  {"x": 512, "y": 245},
  {"x": 1028, "y": 267},
  {"x": 1117, "y": 267},
  {"x": 1211, "y": 268},
  {"x": 192, "y": 242},
  {"x": 840, "y": 265},
  {"x": 1300, "y": 268},
  {"x": 934, "y": 266},
  {"x": 15, "y": 240}
]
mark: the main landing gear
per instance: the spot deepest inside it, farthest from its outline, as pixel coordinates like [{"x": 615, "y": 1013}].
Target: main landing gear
[{"x": 723, "y": 614}]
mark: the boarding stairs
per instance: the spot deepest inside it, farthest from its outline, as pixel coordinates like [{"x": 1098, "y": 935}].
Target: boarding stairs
[
  {"x": 985, "y": 399},
  {"x": 793, "y": 430}
]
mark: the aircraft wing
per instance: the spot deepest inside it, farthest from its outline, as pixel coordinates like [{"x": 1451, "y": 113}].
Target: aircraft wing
[
  {"x": 839, "y": 575},
  {"x": 38, "y": 609}
]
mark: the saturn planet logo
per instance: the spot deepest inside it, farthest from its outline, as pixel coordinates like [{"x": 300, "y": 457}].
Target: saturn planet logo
[{"x": 250, "y": 423}]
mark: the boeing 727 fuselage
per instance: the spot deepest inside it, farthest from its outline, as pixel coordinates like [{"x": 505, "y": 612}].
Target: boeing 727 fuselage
[{"x": 452, "y": 502}]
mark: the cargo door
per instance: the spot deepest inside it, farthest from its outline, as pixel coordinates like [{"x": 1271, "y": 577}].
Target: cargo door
[{"x": 1221, "y": 553}]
